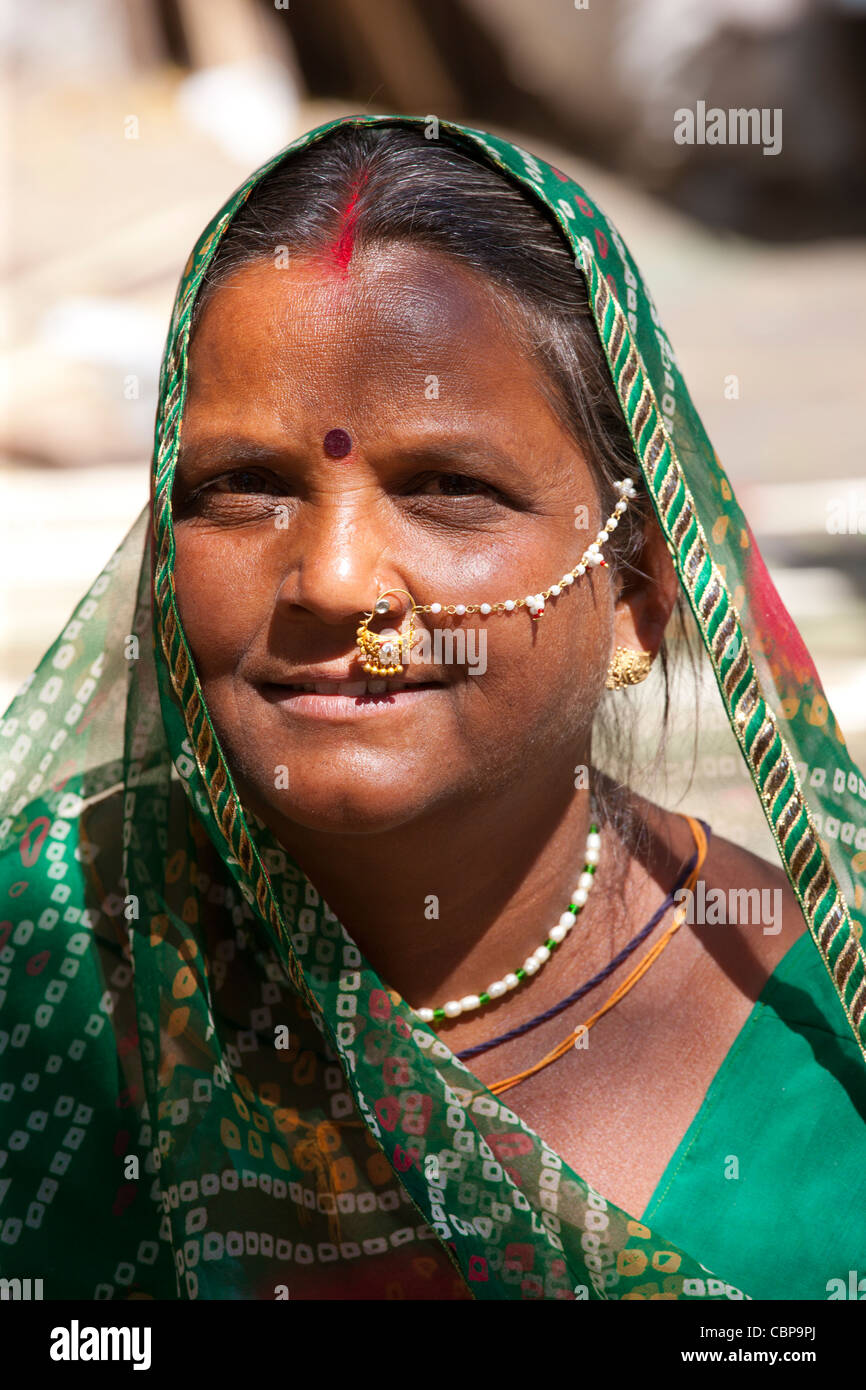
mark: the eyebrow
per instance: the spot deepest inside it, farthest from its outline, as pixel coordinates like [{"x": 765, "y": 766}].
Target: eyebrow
[
  {"x": 225, "y": 448},
  {"x": 222, "y": 449},
  {"x": 467, "y": 450}
]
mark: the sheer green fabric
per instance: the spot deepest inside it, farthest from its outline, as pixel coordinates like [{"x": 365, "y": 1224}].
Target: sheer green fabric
[{"x": 207, "y": 1091}]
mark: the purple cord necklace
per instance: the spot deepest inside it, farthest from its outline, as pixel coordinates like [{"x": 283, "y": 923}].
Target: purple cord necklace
[{"x": 602, "y": 974}]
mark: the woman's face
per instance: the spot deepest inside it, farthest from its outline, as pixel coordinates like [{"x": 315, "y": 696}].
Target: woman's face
[{"x": 460, "y": 486}]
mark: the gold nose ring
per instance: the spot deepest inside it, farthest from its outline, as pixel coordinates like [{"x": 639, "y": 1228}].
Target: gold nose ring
[{"x": 381, "y": 656}]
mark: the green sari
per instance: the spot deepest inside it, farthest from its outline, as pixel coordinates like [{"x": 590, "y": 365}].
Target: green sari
[{"x": 208, "y": 1092}]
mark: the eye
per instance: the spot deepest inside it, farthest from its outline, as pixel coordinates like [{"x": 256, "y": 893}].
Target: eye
[
  {"x": 243, "y": 480},
  {"x": 455, "y": 485},
  {"x": 239, "y": 495},
  {"x": 460, "y": 485}
]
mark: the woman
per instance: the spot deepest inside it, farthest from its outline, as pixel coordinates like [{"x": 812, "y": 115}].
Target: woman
[{"x": 290, "y": 826}]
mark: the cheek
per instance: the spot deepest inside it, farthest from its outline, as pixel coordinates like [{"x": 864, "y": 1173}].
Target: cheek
[
  {"x": 544, "y": 677},
  {"x": 569, "y": 658},
  {"x": 221, "y": 595}
]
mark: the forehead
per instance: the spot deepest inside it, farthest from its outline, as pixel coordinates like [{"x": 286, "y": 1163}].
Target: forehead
[{"x": 398, "y": 315}]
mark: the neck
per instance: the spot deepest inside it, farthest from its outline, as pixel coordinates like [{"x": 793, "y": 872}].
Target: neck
[{"x": 444, "y": 905}]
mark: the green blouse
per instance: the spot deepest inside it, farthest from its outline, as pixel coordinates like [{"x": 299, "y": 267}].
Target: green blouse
[{"x": 781, "y": 1129}]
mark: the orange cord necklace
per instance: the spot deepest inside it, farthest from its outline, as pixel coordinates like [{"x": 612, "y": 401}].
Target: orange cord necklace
[{"x": 574, "y": 1037}]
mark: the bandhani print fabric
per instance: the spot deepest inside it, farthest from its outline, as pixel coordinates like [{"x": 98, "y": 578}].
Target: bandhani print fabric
[{"x": 206, "y": 1091}]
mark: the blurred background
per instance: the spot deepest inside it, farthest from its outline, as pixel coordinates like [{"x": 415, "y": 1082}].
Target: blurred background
[{"x": 129, "y": 122}]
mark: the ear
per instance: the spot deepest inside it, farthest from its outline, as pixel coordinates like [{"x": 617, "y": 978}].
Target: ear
[{"x": 645, "y": 604}]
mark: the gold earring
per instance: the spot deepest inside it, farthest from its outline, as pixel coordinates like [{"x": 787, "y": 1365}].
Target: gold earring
[
  {"x": 382, "y": 655},
  {"x": 628, "y": 668}
]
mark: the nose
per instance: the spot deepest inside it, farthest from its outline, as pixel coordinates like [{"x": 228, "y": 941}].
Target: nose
[{"x": 337, "y": 560}]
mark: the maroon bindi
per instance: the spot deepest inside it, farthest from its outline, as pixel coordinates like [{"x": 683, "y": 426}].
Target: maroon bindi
[{"x": 337, "y": 444}]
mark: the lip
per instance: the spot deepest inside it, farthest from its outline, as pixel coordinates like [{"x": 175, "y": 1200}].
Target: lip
[{"x": 333, "y": 705}]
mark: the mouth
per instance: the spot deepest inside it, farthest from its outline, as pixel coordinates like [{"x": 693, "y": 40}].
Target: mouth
[
  {"x": 378, "y": 686},
  {"x": 332, "y": 699}
]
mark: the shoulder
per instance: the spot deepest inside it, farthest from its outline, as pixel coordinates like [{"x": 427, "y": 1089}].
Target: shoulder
[
  {"x": 760, "y": 906},
  {"x": 744, "y": 909}
]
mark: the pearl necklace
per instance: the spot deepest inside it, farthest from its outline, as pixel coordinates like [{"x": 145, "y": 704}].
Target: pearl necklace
[{"x": 541, "y": 955}]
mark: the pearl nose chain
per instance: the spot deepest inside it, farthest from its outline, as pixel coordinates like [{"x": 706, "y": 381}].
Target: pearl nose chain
[{"x": 382, "y": 656}]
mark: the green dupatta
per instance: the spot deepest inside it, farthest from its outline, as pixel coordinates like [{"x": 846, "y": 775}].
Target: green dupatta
[{"x": 159, "y": 948}]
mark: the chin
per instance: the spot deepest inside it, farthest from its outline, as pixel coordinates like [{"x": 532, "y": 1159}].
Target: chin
[{"x": 351, "y": 804}]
